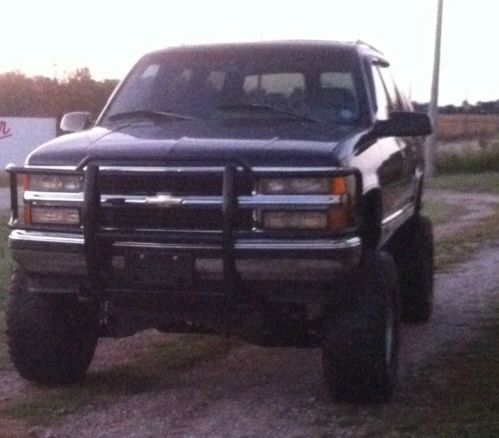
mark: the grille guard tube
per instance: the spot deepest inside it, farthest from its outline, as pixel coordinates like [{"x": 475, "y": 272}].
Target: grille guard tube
[
  {"x": 98, "y": 240},
  {"x": 90, "y": 221},
  {"x": 230, "y": 275}
]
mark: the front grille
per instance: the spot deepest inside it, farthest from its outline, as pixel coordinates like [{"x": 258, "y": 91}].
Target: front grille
[
  {"x": 183, "y": 184},
  {"x": 189, "y": 184},
  {"x": 170, "y": 219}
]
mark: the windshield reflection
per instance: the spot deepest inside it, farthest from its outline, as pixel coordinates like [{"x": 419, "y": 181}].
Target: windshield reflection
[{"x": 228, "y": 83}]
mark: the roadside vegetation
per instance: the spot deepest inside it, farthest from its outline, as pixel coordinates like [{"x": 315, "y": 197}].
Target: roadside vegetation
[
  {"x": 453, "y": 250},
  {"x": 5, "y": 268},
  {"x": 463, "y": 401},
  {"x": 472, "y": 162},
  {"x": 487, "y": 182},
  {"x": 468, "y": 157},
  {"x": 4, "y": 179}
]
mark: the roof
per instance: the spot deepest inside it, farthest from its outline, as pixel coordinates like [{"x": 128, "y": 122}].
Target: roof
[
  {"x": 317, "y": 44},
  {"x": 359, "y": 47}
]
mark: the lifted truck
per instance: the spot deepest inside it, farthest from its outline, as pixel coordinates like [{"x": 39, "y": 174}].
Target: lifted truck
[{"x": 268, "y": 190}]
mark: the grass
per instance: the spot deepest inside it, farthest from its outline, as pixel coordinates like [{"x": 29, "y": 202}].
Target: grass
[
  {"x": 5, "y": 269},
  {"x": 4, "y": 179},
  {"x": 483, "y": 182},
  {"x": 453, "y": 250},
  {"x": 160, "y": 367},
  {"x": 439, "y": 212},
  {"x": 483, "y": 160},
  {"x": 5, "y": 260},
  {"x": 457, "y": 395}
]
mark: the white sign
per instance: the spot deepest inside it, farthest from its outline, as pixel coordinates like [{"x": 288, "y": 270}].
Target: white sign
[{"x": 20, "y": 135}]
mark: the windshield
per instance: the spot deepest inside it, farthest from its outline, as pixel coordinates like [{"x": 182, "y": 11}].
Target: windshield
[{"x": 257, "y": 82}]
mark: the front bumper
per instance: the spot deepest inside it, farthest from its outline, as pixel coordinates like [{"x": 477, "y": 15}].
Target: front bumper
[{"x": 264, "y": 261}]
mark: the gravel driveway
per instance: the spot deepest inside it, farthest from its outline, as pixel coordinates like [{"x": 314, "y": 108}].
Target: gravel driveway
[{"x": 261, "y": 392}]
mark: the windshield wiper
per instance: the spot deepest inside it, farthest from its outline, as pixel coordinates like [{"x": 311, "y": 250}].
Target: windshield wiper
[
  {"x": 149, "y": 115},
  {"x": 267, "y": 108}
]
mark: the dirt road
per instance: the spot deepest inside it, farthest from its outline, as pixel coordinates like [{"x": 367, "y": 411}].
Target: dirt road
[{"x": 257, "y": 392}]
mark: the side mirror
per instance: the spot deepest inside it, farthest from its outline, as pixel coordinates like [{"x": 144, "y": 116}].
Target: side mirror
[
  {"x": 403, "y": 124},
  {"x": 75, "y": 121}
]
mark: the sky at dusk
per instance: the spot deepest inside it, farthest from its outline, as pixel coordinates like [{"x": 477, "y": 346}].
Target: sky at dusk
[{"x": 54, "y": 37}]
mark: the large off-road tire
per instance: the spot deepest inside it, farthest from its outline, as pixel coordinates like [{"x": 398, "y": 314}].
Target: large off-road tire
[
  {"x": 414, "y": 259},
  {"x": 360, "y": 338},
  {"x": 51, "y": 337}
]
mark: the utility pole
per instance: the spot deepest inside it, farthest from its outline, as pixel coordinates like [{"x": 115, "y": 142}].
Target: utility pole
[{"x": 430, "y": 144}]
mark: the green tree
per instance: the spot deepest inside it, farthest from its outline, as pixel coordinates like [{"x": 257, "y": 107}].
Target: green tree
[{"x": 22, "y": 96}]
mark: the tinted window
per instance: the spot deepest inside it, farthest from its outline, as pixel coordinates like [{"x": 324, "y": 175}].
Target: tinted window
[
  {"x": 284, "y": 84},
  {"x": 341, "y": 89},
  {"x": 391, "y": 88},
  {"x": 383, "y": 106},
  {"x": 322, "y": 84}
]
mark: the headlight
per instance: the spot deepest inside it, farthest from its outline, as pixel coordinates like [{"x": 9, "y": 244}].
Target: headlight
[
  {"x": 53, "y": 183},
  {"x": 54, "y": 215},
  {"x": 294, "y": 186},
  {"x": 52, "y": 199},
  {"x": 338, "y": 215},
  {"x": 273, "y": 220}
]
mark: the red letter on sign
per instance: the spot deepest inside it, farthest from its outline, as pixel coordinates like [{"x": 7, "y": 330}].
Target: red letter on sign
[{"x": 4, "y": 129}]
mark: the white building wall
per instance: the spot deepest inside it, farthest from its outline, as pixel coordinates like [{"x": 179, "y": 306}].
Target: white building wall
[{"x": 20, "y": 135}]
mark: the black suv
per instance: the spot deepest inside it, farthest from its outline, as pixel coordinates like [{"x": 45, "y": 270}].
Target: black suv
[{"x": 267, "y": 190}]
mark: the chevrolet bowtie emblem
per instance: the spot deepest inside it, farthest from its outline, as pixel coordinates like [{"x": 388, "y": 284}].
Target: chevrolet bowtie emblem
[{"x": 165, "y": 201}]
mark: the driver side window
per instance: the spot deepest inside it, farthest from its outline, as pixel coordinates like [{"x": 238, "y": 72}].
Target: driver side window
[
  {"x": 383, "y": 107},
  {"x": 387, "y": 96}
]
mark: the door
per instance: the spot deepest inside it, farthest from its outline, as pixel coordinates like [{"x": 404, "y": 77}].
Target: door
[{"x": 396, "y": 174}]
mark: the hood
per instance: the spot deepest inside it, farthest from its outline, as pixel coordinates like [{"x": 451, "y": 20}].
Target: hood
[{"x": 255, "y": 143}]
